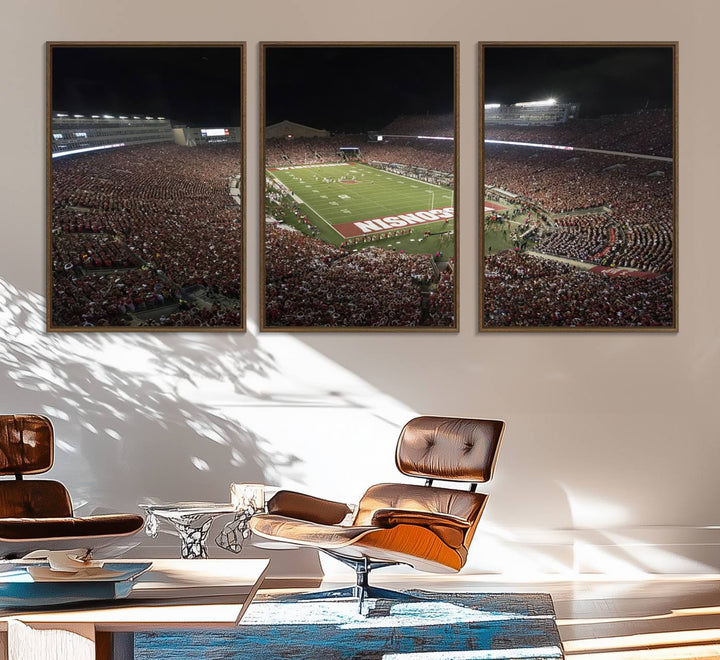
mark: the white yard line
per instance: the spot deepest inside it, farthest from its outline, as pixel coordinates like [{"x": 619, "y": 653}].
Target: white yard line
[{"x": 310, "y": 207}]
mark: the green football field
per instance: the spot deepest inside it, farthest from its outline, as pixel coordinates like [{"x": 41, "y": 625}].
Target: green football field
[{"x": 335, "y": 197}]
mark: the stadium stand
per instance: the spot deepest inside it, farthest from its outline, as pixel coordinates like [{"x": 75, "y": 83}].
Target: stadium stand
[
  {"x": 309, "y": 283},
  {"x": 525, "y": 290},
  {"x": 414, "y": 125},
  {"x": 648, "y": 132},
  {"x": 139, "y": 228},
  {"x": 600, "y": 211},
  {"x": 635, "y": 195}
]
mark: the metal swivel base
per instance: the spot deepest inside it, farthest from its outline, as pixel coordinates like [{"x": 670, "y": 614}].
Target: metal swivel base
[{"x": 362, "y": 590}]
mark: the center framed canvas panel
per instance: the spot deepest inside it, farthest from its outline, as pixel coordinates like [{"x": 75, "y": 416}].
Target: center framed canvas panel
[
  {"x": 145, "y": 186},
  {"x": 359, "y": 187},
  {"x": 579, "y": 172}
]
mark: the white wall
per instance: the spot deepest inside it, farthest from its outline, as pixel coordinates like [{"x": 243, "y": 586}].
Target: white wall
[{"x": 611, "y": 458}]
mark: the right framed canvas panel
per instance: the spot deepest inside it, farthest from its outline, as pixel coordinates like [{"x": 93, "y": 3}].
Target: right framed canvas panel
[{"x": 578, "y": 146}]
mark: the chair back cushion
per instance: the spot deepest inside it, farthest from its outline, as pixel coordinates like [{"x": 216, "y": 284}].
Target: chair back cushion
[
  {"x": 26, "y": 444},
  {"x": 36, "y": 498},
  {"x": 449, "y": 448}
]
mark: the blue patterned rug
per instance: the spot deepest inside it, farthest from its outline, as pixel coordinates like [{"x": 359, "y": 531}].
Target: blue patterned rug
[{"x": 442, "y": 626}]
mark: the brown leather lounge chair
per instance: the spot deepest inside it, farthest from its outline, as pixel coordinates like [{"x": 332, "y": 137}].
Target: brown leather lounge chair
[
  {"x": 427, "y": 527},
  {"x": 38, "y": 514}
]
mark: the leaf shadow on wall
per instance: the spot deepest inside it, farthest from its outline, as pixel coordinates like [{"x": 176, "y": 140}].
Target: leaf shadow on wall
[{"x": 128, "y": 411}]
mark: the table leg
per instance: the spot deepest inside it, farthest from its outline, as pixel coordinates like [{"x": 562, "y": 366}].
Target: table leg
[
  {"x": 114, "y": 645},
  {"x": 236, "y": 531},
  {"x": 193, "y": 540}
]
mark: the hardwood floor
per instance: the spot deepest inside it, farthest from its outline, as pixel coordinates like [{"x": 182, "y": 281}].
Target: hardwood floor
[{"x": 658, "y": 618}]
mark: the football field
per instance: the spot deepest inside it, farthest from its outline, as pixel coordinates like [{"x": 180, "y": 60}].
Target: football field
[{"x": 360, "y": 206}]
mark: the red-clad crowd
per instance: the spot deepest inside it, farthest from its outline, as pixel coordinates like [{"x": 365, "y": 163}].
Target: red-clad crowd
[
  {"x": 521, "y": 290},
  {"x": 309, "y": 283},
  {"x": 648, "y": 132},
  {"x": 428, "y": 154},
  {"x": 635, "y": 227},
  {"x": 414, "y": 125},
  {"x": 442, "y": 301},
  {"x": 164, "y": 207},
  {"x": 95, "y": 299},
  {"x": 213, "y": 316}
]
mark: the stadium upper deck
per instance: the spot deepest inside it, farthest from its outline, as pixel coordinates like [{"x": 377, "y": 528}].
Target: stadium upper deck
[
  {"x": 648, "y": 132},
  {"x": 533, "y": 113}
]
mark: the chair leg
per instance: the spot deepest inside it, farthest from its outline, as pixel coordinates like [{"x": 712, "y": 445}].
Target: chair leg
[
  {"x": 361, "y": 581},
  {"x": 361, "y": 591}
]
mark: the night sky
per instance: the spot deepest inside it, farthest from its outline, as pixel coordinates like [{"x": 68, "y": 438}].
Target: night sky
[
  {"x": 604, "y": 80},
  {"x": 357, "y": 89},
  {"x": 198, "y": 86}
]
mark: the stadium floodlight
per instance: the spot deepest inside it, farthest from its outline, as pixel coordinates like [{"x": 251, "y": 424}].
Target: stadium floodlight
[
  {"x": 96, "y": 116},
  {"x": 529, "y": 104},
  {"x": 161, "y": 118},
  {"x": 136, "y": 117},
  {"x": 78, "y": 116},
  {"x": 108, "y": 117},
  {"x": 149, "y": 117},
  {"x": 490, "y": 106},
  {"x": 122, "y": 117},
  {"x": 61, "y": 114}
]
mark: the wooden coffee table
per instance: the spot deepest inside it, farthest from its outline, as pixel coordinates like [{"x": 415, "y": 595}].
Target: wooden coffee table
[{"x": 174, "y": 593}]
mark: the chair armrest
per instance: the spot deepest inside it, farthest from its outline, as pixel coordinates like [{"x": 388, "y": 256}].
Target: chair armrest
[
  {"x": 392, "y": 517},
  {"x": 451, "y": 529},
  {"x": 306, "y": 507}
]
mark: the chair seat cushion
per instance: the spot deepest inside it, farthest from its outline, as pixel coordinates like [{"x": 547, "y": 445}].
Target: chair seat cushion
[
  {"x": 305, "y": 532},
  {"x": 23, "y": 529},
  {"x": 417, "y": 546}
]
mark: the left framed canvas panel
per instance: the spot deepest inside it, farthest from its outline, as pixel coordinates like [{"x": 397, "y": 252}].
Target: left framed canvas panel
[
  {"x": 145, "y": 186},
  {"x": 359, "y": 188}
]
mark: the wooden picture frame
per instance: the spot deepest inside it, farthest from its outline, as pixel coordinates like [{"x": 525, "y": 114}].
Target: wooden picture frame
[
  {"x": 380, "y": 254},
  {"x": 578, "y": 152},
  {"x": 145, "y": 186}
]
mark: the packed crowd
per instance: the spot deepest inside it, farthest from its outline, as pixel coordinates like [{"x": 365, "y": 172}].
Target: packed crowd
[
  {"x": 166, "y": 207},
  {"x": 599, "y": 239},
  {"x": 309, "y": 283},
  {"x": 212, "y": 316},
  {"x": 107, "y": 299},
  {"x": 437, "y": 178},
  {"x": 284, "y": 152},
  {"x": 90, "y": 251},
  {"x": 521, "y": 290},
  {"x": 442, "y": 301},
  {"x": 435, "y": 125},
  {"x": 648, "y": 132},
  {"x": 426, "y": 154},
  {"x": 635, "y": 229},
  {"x": 640, "y": 190}
]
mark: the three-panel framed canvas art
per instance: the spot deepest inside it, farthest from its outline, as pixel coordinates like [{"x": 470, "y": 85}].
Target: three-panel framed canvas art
[{"x": 358, "y": 229}]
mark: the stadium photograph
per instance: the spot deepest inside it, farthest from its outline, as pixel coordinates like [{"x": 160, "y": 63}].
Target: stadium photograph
[
  {"x": 145, "y": 187},
  {"x": 579, "y": 180},
  {"x": 359, "y": 187}
]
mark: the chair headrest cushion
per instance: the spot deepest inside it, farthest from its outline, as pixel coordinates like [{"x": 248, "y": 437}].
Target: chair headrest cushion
[
  {"x": 449, "y": 448},
  {"x": 26, "y": 444}
]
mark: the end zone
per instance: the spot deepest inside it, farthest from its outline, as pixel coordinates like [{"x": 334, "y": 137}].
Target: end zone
[
  {"x": 391, "y": 222},
  {"x": 491, "y": 207}
]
